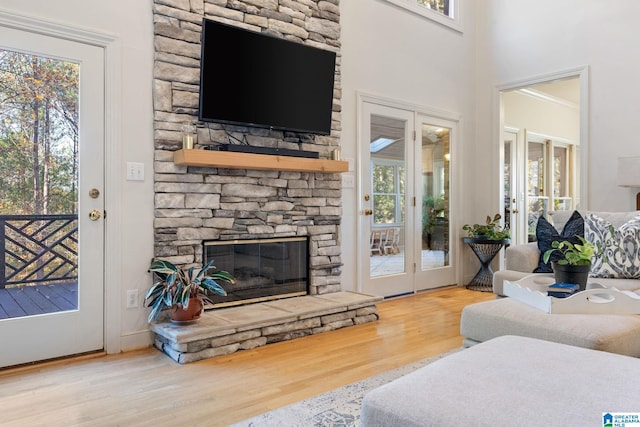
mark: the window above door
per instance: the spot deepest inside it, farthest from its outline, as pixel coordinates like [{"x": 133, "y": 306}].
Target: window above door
[{"x": 444, "y": 12}]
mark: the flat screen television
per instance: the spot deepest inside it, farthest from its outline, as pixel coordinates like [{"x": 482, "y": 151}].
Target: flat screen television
[{"x": 249, "y": 78}]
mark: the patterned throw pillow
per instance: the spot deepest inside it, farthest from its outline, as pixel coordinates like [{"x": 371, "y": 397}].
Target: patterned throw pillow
[
  {"x": 620, "y": 257},
  {"x": 547, "y": 234}
]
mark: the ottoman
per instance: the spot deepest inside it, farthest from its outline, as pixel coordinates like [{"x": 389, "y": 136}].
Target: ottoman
[
  {"x": 614, "y": 333},
  {"x": 509, "y": 381}
]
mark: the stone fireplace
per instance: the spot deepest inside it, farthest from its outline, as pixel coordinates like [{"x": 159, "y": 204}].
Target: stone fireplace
[
  {"x": 223, "y": 203},
  {"x": 195, "y": 204}
]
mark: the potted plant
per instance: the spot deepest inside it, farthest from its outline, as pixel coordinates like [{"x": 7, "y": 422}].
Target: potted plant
[
  {"x": 490, "y": 230},
  {"x": 574, "y": 263},
  {"x": 184, "y": 292}
]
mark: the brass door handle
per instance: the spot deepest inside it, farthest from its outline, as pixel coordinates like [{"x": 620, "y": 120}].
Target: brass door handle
[
  {"x": 515, "y": 211},
  {"x": 94, "y": 215},
  {"x": 368, "y": 212}
]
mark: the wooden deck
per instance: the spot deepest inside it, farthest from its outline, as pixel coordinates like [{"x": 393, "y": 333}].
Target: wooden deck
[{"x": 23, "y": 301}]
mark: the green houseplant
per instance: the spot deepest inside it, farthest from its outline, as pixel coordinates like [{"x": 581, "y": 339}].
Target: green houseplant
[
  {"x": 574, "y": 264},
  {"x": 572, "y": 254},
  {"x": 490, "y": 230},
  {"x": 183, "y": 291}
]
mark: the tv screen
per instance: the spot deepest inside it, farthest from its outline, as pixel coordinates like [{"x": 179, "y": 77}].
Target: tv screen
[{"x": 250, "y": 78}]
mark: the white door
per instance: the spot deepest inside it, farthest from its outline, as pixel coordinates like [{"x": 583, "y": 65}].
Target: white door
[
  {"x": 435, "y": 193},
  {"x": 76, "y": 326},
  {"x": 514, "y": 207},
  {"x": 386, "y": 217}
]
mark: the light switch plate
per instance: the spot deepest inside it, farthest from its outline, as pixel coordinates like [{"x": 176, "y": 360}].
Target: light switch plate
[
  {"x": 348, "y": 180},
  {"x": 135, "y": 171}
]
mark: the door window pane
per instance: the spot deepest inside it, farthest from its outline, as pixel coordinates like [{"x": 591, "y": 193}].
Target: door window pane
[
  {"x": 38, "y": 184},
  {"x": 388, "y": 182},
  {"x": 435, "y": 191},
  {"x": 561, "y": 194}
]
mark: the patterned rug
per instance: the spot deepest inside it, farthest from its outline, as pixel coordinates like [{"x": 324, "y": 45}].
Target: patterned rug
[{"x": 336, "y": 408}]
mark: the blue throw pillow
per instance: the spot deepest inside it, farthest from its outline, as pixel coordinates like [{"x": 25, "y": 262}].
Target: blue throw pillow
[{"x": 547, "y": 234}]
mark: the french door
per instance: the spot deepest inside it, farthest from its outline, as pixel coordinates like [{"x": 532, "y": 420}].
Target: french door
[
  {"x": 405, "y": 200},
  {"x": 52, "y": 286}
]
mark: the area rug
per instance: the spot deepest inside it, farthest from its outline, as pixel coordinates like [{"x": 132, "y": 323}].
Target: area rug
[{"x": 335, "y": 408}]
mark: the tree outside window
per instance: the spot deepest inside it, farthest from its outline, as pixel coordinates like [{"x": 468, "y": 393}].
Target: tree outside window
[
  {"x": 440, "y": 6},
  {"x": 38, "y": 134}
]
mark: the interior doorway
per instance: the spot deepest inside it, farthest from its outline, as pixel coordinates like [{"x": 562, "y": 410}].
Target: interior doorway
[{"x": 543, "y": 149}]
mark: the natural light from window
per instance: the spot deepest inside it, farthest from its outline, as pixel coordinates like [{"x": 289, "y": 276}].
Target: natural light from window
[{"x": 445, "y": 12}]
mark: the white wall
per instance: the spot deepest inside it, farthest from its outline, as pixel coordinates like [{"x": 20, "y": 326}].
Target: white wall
[
  {"x": 131, "y": 22},
  {"x": 390, "y": 52},
  {"x": 520, "y": 40}
]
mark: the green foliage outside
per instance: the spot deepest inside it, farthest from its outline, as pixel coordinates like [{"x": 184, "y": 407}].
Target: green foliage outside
[
  {"x": 38, "y": 134},
  {"x": 441, "y": 6},
  {"x": 388, "y": 194}
]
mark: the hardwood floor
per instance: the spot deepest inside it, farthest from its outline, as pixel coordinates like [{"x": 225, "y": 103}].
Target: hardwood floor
[{"x": 146, "y": 388}]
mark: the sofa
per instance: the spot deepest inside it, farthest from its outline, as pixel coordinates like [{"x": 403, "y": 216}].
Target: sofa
[
  {"x": 613, "y": 333},
  {"x": 522, "y": 260}
]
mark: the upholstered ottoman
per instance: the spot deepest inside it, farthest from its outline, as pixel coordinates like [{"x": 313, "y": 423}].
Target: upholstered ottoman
[
  {"x": 509, "y": 381},
  {"x": 505, "y": 316}
]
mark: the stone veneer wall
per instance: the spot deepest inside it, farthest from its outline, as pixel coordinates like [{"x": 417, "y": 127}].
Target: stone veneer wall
[{"x": 193, "y": 204}]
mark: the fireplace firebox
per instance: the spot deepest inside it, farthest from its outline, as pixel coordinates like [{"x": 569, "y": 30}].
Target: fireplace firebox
[{"x": 265, "y": 269}]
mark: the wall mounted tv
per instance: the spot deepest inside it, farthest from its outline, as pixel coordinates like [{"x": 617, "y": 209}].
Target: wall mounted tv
[{"x": 249, "y": 78}]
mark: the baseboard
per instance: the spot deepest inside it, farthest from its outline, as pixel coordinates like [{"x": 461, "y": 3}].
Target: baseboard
[{"x": 136, "y": 340}]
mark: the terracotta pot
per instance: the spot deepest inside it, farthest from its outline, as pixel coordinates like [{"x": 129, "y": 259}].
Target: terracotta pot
[
  {"x": 578, "y": 274},
  {"x": 192, "y": 313}
]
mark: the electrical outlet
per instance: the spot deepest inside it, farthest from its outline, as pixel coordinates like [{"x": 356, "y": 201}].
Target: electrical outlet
[{"x": 132, "y": 298}]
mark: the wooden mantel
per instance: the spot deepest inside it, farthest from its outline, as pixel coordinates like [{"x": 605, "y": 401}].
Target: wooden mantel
[{"x": 233, "y": 160}]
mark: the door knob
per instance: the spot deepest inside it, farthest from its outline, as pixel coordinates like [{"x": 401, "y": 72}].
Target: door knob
[
  {"x": 368, "y": 212},
  {"x": 515, "y": 211},
  {"x": 94, "y": 215}
]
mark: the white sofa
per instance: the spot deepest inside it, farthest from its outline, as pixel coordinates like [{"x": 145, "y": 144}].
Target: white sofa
[{"x": 521, "y": 260}]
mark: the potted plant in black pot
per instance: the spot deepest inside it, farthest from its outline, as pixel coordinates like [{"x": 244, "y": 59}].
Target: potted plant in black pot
[
  {"x": 490, "y": 230},
  {"x": 183, "y": 292},
  {"x": 486, "y": 240},
  {"x": 574, "y": 263}
]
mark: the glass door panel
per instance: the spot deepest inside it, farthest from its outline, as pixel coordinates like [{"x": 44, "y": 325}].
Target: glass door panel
[
  {"x": 537, "y": 201},
  {"x": 436, "y": 196},
  {"x": 434, "y": 250},
  {"x": 388, "y": 179}
]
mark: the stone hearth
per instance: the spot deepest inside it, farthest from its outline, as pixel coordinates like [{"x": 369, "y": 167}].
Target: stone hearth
[{"x": 225, "y": 331}]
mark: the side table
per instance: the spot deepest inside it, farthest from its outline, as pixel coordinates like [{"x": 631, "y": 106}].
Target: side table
[{"x": 485, "y": 251}]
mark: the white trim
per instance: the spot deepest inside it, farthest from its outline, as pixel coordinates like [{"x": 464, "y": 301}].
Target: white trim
[
  {"x": 407, "y": 106},
  {"x": 113, "y": 246},
  {"x": 454, "y": 21},
  {"x": 548, "y": 98},
  {"x": 542, "y": 138}
]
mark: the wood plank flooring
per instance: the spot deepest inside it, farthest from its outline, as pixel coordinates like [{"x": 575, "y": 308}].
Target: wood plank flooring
[{"x": 146, "y": 388}]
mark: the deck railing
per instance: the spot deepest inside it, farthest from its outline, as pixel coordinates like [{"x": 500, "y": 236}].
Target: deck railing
[{"x": 38, "y": 249}]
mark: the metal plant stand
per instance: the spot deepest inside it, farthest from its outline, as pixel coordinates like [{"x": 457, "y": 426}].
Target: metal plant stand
[{"x": 485, "y": 251}]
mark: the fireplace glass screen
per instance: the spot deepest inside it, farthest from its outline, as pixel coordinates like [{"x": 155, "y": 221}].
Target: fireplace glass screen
[{"x": 264, "y": 269}]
